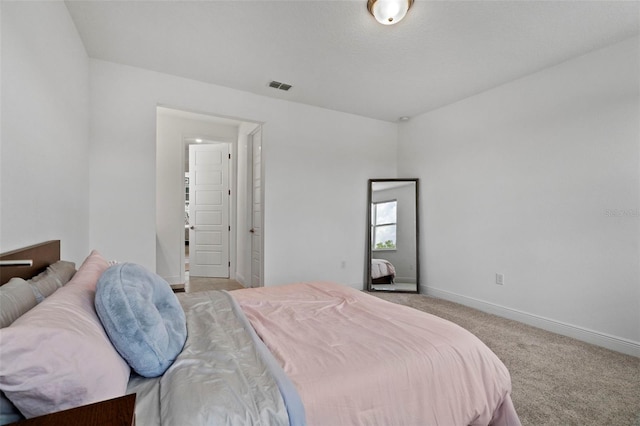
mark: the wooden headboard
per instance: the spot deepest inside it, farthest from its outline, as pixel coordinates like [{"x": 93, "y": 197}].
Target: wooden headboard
[{"x": 42, "y": 255}]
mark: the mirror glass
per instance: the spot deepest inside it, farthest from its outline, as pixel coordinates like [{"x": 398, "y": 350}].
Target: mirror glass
[{"x": 392, "y": 243}]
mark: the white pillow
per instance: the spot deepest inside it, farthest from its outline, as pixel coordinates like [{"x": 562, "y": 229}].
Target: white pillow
[{"x": 57, "y": 355}]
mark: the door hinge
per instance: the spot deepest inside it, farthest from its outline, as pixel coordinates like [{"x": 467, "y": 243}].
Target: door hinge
[
  {"x": 229, "y": 227},
  {"x": 229, "y": 192},
  {"x": 229, "y": 264},
  {"x": 229, "y": 156}
]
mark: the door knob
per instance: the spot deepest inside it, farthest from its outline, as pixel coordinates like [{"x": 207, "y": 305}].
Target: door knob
[
  {"x": 252, "y": 230},
  {"x": 192, "y": 227}
]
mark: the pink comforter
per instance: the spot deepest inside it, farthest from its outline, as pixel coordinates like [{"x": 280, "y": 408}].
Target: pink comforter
[
  {"x": 356, "y": 359},
  {"x": 382, "y": 268}
]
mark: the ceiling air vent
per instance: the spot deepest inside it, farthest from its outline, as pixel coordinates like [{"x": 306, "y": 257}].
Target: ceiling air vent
[{"x": 278, "y": 85}]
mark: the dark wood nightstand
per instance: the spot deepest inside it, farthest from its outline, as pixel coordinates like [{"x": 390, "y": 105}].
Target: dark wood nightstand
[{"x": 112, "y": 412}]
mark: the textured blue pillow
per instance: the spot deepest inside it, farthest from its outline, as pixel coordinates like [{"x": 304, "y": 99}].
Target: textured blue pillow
[{"x": 141, "y": 316}]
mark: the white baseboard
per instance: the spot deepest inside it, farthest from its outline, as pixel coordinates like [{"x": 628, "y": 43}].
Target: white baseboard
[
  {"x": 240, "y": 279},
  {"x": 357, "y": 286},
  {"x": 173, "y": 280},
  {"x": 608, "y": 341}
]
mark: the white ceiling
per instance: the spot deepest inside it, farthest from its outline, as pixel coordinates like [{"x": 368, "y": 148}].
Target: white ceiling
[{"x": 337, "y": 56}]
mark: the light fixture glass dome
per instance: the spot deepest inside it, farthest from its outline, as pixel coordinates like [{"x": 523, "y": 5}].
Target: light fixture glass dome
[{"x": 389, "y": 12}]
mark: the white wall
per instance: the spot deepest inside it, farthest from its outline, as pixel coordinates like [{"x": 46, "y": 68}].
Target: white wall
[
  {"x": 170, "y": 153},
  {"x": 44, "y": 171},
  {"x": 538, "y": 179},
  {"x": 316, "y": 166}
]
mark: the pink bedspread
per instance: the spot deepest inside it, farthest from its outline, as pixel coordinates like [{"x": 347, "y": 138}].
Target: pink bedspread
[
  {"x": 382, "y": 268},
  {"x": 356, "y": 359}
]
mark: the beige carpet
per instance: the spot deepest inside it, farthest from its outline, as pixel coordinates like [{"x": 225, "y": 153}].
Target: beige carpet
[{"x": 556, "y": 380}]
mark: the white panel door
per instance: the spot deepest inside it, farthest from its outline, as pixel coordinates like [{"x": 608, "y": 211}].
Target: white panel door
[
  {"x": 209, "y": 210},
  {"x": 256, "y": 210}
]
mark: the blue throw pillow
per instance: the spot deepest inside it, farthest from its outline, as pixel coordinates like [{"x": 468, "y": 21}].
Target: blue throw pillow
[
  {"x": 142, "y": 317},
  {"x": 8, "y": 412}
]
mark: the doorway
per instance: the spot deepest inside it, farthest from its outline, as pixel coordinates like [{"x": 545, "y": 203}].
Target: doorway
[{"x": 174, "y": 188}]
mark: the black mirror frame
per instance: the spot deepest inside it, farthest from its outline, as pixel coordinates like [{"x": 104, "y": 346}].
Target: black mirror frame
[{"x": 369, "y": 284}]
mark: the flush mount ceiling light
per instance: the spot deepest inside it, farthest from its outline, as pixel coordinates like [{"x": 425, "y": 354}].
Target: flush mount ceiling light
[{"x": 389, "y": 12}]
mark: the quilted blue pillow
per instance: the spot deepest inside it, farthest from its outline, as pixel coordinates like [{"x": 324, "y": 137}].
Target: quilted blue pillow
[{"x": 142, "y": 317}]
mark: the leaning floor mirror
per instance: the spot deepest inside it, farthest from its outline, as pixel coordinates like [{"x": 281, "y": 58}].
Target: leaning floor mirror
[{"x": 392, "y": 242}]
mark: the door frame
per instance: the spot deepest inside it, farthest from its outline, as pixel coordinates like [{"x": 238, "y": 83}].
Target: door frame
[
  {"x": 233, "y": 177},
  {"x": 250, "y": 181}
]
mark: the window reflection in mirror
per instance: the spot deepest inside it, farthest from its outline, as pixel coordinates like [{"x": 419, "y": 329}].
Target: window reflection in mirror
[
  {"x": 384, "y": 225},
  {"x": 392, "y": 246}
]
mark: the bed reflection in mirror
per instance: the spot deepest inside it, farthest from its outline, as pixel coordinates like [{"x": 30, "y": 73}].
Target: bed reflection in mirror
[{"x": 392, "y": 243}]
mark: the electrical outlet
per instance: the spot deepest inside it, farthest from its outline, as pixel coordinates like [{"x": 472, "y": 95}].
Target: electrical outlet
[{"x": 499, "y": 279}]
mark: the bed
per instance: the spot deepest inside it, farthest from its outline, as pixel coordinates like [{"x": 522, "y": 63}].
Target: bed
[
  {"x": 315, "y": 353},
  {"x": 382, "y": 272}
]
